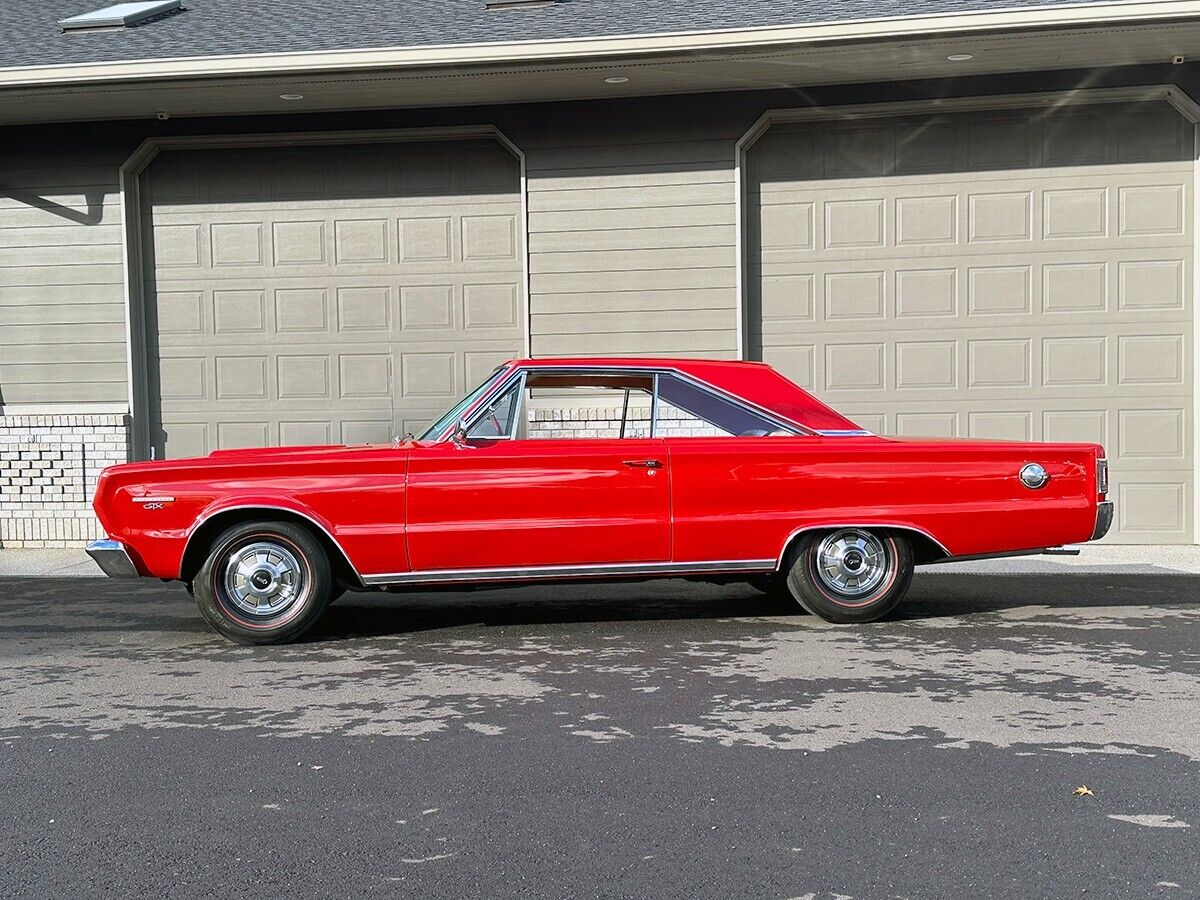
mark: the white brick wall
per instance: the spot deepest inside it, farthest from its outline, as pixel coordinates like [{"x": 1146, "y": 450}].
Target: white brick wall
[
  {"x": 603, "y": 421},
  {"x": 48, "y": 470}
]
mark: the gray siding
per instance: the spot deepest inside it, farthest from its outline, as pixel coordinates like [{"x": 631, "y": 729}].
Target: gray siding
[
  {"x": 631, "y": 221},
  {"x": 62, "y": 318}
]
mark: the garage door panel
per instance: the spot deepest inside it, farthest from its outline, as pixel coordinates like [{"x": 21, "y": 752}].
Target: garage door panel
[
  {"x": 1063, "y": 362},
  {"x": 1130, "y": 211},
  {"x": 433, "y": 312},
  {"x": 1154, "y": 508},
  {"x": 286, "y": 246},
  {"x": 1075, "y": 290},
  {"x": 1036, "y": 289},
  {"x": 300, "y": 294}
]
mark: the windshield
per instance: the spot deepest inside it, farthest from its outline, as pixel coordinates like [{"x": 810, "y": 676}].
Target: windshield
[{"x": 432, "y": 432}]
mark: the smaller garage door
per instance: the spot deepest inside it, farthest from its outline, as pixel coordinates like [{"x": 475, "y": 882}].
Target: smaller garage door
[
  {"x": 1017, "y": 275},
  {"x": 319, "y": 294}
]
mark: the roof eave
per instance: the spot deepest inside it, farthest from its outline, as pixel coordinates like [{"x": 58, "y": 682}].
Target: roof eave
[{"x": 1120, "y": 12}]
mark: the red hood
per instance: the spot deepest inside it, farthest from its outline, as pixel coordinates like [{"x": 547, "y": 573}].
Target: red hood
[{"x": 271, "y": 452}]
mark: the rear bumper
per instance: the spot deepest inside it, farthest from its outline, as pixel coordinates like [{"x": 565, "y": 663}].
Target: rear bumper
[
  {"x": 112, "y": 558},
  {"x": 1104, "y": 519}
]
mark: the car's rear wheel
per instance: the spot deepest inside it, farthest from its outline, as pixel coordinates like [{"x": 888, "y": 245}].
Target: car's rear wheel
[
  {"x": 264, "y": 583},
  {"x": 849, "y": 575}
]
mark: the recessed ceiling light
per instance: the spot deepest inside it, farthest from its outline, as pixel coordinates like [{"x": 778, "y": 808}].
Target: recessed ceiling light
[
  {"x": 960, "y": 57},
  {"x": 291, "y": 96},
  {"x": 615, "y": 79}
]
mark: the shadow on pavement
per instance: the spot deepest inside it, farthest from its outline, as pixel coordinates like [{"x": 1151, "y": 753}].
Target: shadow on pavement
[
  {"x": 78, "y": 605},
  {"x": 361, "y": 615}
]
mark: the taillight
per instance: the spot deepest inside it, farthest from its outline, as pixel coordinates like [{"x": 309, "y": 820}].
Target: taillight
[{"x": 1102, "y": 476}]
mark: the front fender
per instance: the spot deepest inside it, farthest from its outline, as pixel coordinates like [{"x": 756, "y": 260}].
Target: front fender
[{"x": 211, "y": 519}]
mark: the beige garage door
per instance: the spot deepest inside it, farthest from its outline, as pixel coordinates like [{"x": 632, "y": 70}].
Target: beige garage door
[
  {"x": 1021, "y": 275},
  {"x": 326, "y": 294}
]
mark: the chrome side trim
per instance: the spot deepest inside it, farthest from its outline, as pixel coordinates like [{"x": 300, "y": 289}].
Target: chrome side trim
[
  {"x": 824, "y": 526},
  {"x": 531, "y": 573},
  {"x": 845, "y": 432},
  {"x": 153, "y": 499},
  {"x": 325, "y": 531},
  {"x": 112, "y": 558}
]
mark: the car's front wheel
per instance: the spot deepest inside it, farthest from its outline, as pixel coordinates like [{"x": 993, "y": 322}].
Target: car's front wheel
[
  {"x": 264, "y": 583},
  {"x": 849, "y": 575}
]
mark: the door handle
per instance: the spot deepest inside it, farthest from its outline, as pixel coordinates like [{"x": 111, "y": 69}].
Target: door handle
[{"x": 642, "y": 463}]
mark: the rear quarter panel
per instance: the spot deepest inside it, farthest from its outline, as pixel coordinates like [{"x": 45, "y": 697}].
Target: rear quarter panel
[{"x": 741, "y": 498}]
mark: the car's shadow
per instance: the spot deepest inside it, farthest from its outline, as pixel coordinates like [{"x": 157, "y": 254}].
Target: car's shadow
[
  {"x": 374, "y": 614},
  {"x": 940, "y": 595}
]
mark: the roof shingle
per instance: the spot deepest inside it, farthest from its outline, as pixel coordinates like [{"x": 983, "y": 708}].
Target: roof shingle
[{"x": 29, "y": 35}]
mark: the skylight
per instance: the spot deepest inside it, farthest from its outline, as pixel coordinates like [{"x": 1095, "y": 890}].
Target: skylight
[{"x": 119, "y": 15}]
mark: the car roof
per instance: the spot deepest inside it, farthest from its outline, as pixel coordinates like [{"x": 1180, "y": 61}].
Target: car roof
[
  {"x": 642, "y": 362},
  {"x": 756, "y": 383}
]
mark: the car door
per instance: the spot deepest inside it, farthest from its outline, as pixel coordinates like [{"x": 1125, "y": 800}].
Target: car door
[{"x": 529, "y": 503}]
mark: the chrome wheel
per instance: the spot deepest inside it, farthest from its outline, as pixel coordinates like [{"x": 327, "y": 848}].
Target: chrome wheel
[
  {"x": 263, "y": 579},
  {"x": 852, "y": 563}
]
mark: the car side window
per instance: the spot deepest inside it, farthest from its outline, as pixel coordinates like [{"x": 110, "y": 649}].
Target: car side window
[
  {"x": 686, "y": 409},
  {"x": 554, "y": 404},
  {"x": 568, "y": 405},
  {"x": 497, "y": 419},
  {"x": 587, "y": 412}
]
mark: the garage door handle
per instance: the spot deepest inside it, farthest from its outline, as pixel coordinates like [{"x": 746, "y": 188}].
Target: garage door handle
[{"x": 643, "y": 463}]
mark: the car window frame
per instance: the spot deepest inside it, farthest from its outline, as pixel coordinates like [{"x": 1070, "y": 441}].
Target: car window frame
[
  {"x": 517, "y": 385},
  {"x": 520, "y": 372}
]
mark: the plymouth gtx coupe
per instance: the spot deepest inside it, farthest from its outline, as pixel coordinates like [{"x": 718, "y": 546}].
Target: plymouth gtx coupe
[{"x": 595, "y": 469}]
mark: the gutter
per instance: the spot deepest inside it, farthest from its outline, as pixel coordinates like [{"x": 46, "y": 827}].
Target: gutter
[{"x": 1120, "y": 12}]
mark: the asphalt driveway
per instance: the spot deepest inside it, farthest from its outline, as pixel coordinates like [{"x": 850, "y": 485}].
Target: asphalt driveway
[{"x": 652, "y": 740}]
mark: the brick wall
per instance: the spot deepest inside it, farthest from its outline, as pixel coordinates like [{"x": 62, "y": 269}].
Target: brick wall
[
  {"x": 48, "y": 471},
  {"x": 604, "y": 421}
]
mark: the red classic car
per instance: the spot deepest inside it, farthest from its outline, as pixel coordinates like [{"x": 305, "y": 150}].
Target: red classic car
[{"x": 595, "y": 469}]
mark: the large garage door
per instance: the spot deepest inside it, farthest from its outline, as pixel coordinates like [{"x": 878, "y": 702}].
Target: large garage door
[
  {"x": 1021, "y": 275},
  {"x": 325, "y": 294}
]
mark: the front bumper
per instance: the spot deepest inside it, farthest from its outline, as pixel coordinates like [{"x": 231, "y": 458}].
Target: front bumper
[
  {"x": 1104, "y": 519},
  {"x": 112, "y": 558}
]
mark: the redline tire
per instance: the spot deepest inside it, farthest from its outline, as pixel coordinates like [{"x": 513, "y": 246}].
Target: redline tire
[
  {"x": 264, "y": 583},
  {"x": 850, "y": 575}
]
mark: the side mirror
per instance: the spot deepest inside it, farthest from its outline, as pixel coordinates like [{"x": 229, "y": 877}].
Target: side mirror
[{"x": 459, "y": 436}]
